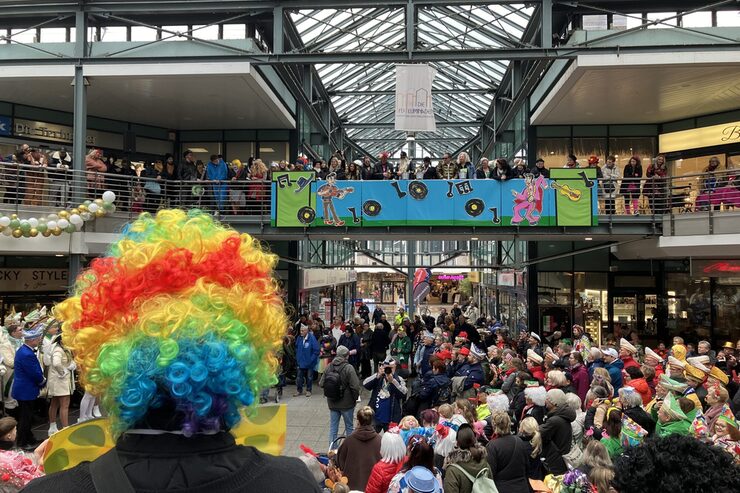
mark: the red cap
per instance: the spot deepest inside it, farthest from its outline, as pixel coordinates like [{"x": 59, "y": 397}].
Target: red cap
[
  {"x": 464, "y": 335},
  {"x": 476, "y": 385},
  {"x": 444, "y": 354},
  {"x": 465, "y": 351}
]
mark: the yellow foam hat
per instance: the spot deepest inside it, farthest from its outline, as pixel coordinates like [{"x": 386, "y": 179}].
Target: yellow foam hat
[{"x": 719, "y": 375}]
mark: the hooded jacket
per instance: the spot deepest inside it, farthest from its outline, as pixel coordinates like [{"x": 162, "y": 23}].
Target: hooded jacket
[
  {"x": 557, "y": 437},
  {"x": 358, "y": 454},
  {"x": 455, "y": 480},
  {"x": 615, "y": 372},
  {"x": 306, "y": 351},
  {"x": 349, "y": 381},
  {"x": 381, "y": 476},
  {"x": 431, "y": 385}
]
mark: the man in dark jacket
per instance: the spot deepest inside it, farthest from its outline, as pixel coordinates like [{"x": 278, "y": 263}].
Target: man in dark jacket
[
  {"x": 307, "y": 355},
  {"x": 383, "y": 169},
  {"x": 423, "y": 353},
  {"x": 614, "y": 366},
  {"x": 388, "y": 391},
  {"x": 379, "y": 344},
  {"x": 351, "y": 341},
  {"x": 364, "y": 312},
  {"x": 28, "y": 380},
  {"x": 342, "y": 406},
  {"x": 359, "y": 453},
  {"x": 556, "y": 431}
]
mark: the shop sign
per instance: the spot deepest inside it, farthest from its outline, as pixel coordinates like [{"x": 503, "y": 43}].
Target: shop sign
[
  {"x": 317, "y": 278},
  {"x": 715, "y": 268},
  {"x": 22, "y": 280},
  {"x": 47, "y": 131},
  {"x": 451, "y": 277},
  {"x": 507, "y": 278},
  {"x": 716, "y": 135},
  {"x": 6, "y": 125}
]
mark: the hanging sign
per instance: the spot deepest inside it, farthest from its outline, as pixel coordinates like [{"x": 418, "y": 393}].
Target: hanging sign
[{"x": 414, "y": 110}]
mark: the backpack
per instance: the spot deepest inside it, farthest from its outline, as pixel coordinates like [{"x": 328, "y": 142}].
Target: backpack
[
  {"x": 444, "y": 395},
  {"x": 482, "y": 482},
  {"x": 333, "y": 383}
]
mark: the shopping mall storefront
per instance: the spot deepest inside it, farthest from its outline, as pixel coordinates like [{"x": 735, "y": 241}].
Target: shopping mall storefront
[{"x": 659, "y": 299}]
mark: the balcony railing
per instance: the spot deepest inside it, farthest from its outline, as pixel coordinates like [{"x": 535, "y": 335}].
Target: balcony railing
[{"x": 34, "y": 191}]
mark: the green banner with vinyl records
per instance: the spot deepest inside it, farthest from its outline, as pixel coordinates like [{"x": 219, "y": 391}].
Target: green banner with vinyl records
[{"x": 569, "y": 197}]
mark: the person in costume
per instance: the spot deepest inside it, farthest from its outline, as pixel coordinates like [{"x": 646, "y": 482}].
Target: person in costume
[
  {"x": 627, "y": 352},
  {"x": 672, "y": 420},
  {"x": 11, "y": 338},
  {"x": 695, "y": 373},
  {"x": 176, "y": 331},
  {"x": 727, "y": 436},
  {"x": 718, "y": 400},
  {"x": 217, "y": 170},
  {"x": 581, "y": 341},
  {"x": 529, "y": 200},
  {"x": 28, "y": 382},
  {"x": 665, "y": 386}
]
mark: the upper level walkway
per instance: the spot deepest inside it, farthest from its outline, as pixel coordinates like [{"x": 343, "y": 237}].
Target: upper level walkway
[{"x": 568, "y": 206}]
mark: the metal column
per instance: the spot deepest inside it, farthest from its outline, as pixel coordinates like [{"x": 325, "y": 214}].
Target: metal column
[
  {"x": 410, "y": 262},
  {"x": 546, "y": 32},
  {"x": 79, "y": 130}
]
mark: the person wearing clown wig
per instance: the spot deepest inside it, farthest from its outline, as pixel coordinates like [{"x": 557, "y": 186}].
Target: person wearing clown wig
[{"x": 175, "y": 332}]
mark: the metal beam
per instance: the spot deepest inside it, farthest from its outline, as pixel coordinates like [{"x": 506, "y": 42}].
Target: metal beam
[
  {"x": 392, "y": 125},
  {"x": 446, "y": 92}
]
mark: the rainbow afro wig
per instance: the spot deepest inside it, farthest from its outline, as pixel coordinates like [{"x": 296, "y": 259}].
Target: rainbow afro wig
[{"x": 180, "y": 319}]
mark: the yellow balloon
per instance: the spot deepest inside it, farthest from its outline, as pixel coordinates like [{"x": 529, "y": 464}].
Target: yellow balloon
[
  {"x": 99, "y": 213},
  {"x": 46, "y": 233},
  {"x": 56, "y": 231},
  {"x": 17, "y": 233},
  {"x": 74, "y": 211},
  {"x": 83, "y": 208},
  {"x": 63, "y": 214},
  {"x": 34, "y": 232},
  {"x": 14, "y": 216},
  {"x": 99, "y": 202}
]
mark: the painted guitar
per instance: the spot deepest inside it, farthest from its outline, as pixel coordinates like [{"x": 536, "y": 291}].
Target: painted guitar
[{"x": 566, "y": 191}]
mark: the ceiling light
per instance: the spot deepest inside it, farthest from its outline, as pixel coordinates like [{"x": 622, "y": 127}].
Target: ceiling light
[
  {"x": 59, "y": 255},
  {"x": 346, "y": 238},
  {"x": 267, "y": 149},
  {"x": 474, "y": 238},
  {"x": 588, "y": 238},
  {"x": 197, "y": 149}
]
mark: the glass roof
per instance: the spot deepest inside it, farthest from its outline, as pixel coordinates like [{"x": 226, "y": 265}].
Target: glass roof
[{"x": 462, "y": 91}]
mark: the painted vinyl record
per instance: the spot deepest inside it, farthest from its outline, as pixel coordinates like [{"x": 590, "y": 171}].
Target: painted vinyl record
[
  {"x": 474, "y": 207},
  {"x": 371, "y": 208},
  {"x": 306, "y": 215},
  {"x": 418, "y": 190}
]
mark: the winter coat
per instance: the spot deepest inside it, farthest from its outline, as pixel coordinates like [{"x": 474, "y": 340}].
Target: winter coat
[
  {"x": 381, "y": 476},
  {"x": 349, "y": 381},
  {"x": 307, "y": 352},
  {"x": 165, "y": 462},
  {"x": 579, "y": 377},
  {"x": 630, "y": 362},
  {"x": 473, "y": 374},
  {"x": 455, "y": 480},
  {"x": 642, "y": 418},
  {"x": 28, "y": 379},
  {"x": 431, "y": 384},
  {"x": 680, "y": 427},
  {"x": 508, "y": 457},
  {"x": 380, "y": 341},
  {"x": 358, "y": 454},
  {"x": 642, "y": 388},
  {"x": 593, "y": 365},
  {"x": 615, "y": 373},
  {"x": 61, "y": 379},
  {"x": 351, "y": 342},
  {"x": 632, "y": 184},
  {"x": 421, "y": 358},
  {"x": 610, "y": 181},
  {"x": 397, "y": 394},
  {"x": 502, "y": 173},
  {"x": 557, "y": 437},
  {"x": 401, "y": 349}
]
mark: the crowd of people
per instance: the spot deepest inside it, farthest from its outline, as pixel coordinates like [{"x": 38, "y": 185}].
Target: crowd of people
[
  {"x": 455, "y": 401},
  {"x": 243, "y": 188}
]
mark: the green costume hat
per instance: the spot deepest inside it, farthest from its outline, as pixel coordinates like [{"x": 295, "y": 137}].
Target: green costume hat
[
  {"x": 669, "y": 384},
  {"x": 673, "y": 409},
  {"x": 729, "y": 420}
]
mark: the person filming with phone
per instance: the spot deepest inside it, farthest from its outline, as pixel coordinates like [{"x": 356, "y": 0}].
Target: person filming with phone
[{"x": 388, "y": 391}]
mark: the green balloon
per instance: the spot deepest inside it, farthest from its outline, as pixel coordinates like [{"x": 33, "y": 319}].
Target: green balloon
[
  {"x": 86, "y": 203},
  {"x": 42, "y": 227},
  {"x": 25, "y": 227},
  {"x": 26, "y": 234},
  {"x": 15, "y": 223},
  {"x": 70, "y": 229},
  {"x": 109, "y": 207}
]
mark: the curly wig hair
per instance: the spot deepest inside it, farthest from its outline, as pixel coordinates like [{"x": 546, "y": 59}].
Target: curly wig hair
[{"x": 675, "y": 463}]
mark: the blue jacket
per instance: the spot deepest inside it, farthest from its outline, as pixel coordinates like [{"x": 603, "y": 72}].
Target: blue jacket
[
  {"x": 28, "y": 378},
  {"x": 615, "y": 372},
  {"x": 473, "y": 374},
  {"x": 431, "y": 384},
  {"x": 593, "y": 365},
  {"x": 421, "y": 358},
  {"x": 307, "y": 355}
]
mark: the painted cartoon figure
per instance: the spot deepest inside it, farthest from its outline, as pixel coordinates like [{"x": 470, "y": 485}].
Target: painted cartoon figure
[
  {"x": 328, "y": 192},
  {"x": 529, "y": 200}
]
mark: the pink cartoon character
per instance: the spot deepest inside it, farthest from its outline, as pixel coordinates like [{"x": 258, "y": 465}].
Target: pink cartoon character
[
  {"x": 328, "y": 192},
  {"x": 529, "y": 200}
]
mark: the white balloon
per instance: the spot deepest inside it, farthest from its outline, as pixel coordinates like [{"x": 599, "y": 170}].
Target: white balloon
[
  {"x": 33, "y": 222},
  {"x": 76, "y": 219},
  {"x": 109, "y": 196},
  {"x": 63, "y": 223},
  {"x": 51, "y": 224},
  {"x": 86, "y": 216},
  {"x": 52, "y": 217},
  {"x": 93, "y": 208},
  {"x": 4, "y": 221}
]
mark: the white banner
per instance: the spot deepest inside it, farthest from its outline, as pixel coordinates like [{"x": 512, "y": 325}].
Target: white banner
[{"x": 414, "y": 111}]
